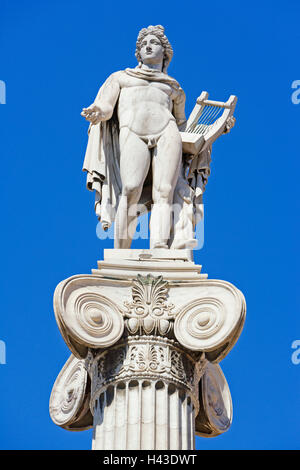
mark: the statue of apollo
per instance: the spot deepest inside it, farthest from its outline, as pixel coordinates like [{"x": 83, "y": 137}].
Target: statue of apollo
[{"x": 134, "y": 154}]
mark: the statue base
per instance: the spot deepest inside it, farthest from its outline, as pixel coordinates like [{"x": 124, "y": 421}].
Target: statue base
[
  {"x": 127, "y": 264},
  {"x": 146, "y": 331}
]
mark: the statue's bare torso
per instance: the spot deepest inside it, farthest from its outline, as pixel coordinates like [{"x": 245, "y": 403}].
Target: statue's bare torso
[{"x": 145, "y": 107}]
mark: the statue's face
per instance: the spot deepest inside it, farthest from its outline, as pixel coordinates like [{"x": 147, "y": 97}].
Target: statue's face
[{"x": 151, "y": 51}]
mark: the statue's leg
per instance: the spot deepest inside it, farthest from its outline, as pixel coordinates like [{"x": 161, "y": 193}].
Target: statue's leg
[
  {"x": 134, "y": 166},
  {"x": 165, "y": 169}
]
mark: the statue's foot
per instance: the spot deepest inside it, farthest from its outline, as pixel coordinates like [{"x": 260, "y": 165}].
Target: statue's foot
[{"x": 159, "y": 245}]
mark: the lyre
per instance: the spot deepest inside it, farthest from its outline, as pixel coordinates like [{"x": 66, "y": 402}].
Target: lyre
[{"x": 207, "y": 121}]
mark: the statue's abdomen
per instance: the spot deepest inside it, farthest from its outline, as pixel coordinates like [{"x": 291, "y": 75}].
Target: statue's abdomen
[{"x": 144, "y": 109}]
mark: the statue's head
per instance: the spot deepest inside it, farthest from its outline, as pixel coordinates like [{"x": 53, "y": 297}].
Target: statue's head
[{"x": 153, "y": 46}]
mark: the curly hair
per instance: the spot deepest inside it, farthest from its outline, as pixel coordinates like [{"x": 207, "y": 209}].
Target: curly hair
[{"x": 157, "y": 31}]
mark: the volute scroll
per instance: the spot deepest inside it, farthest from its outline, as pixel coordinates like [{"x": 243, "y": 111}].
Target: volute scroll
[
  {"x": 212, "y": 323},
  {"x": 86, "y": 317},
  {"x": 70, "y": 396}
]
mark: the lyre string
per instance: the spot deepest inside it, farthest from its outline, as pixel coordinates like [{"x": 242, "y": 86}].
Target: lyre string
[{"x": 206, "y": 119}]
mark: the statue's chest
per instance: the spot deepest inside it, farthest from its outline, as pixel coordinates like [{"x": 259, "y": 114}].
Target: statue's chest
[
  {"x": 138, "y": 94},
  {"x": 145, "y": 85}
]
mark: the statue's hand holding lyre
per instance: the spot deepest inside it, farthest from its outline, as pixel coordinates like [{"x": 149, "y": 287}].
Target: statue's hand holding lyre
[{"x": 93, "y": 114}]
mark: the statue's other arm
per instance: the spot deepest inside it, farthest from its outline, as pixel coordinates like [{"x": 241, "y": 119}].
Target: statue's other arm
[
  {"x": 179, "y": 109},
  {"x": 103, "y": 107}
]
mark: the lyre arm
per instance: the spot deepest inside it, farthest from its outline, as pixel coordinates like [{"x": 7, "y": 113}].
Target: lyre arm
[
  {"x": 204, "y": 122},
  {"x": 228, "y": 105},
  {"x": 219, "y": 127},
  {"x": 203, "y": 101},
  {"x": 197, "y": 110}
]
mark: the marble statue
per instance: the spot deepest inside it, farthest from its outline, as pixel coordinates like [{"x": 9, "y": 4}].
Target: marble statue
[
  {"x": 134, "y": 154},
  {"x": 147, "y": 329}
]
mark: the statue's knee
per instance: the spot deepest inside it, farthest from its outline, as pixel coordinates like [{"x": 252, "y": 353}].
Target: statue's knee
[
  {"x": 131, "y": 191},
  {"x": 163, "y": 194}
]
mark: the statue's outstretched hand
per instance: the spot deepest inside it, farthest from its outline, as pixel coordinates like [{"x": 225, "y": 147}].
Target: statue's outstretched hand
[{"x": 93, "y": 114}]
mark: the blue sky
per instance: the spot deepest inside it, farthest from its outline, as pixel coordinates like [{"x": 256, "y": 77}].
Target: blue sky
[{"x": 54, "y": 57}]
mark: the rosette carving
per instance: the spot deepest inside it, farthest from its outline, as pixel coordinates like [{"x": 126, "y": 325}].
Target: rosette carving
[{"x": 69, "y": 400}]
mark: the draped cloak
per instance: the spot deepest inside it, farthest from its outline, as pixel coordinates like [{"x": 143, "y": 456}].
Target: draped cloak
[{"x": 102, "y": 160}]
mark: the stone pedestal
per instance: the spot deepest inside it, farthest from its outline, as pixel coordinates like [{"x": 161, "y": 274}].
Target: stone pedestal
[{"x": 146, "y": 331}]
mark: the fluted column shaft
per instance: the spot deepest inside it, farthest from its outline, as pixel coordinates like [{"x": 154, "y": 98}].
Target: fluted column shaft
[
  {"x": 143, "y": 415},
  {"x": 144, "y": 396}
]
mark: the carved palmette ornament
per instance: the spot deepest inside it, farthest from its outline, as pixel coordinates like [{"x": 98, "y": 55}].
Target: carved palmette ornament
[
  {"x": 149, "y": 295},
  {"x": 70, "y": 397},
  {"x": 86, "y": 318},
  {"x": 148, "y": 312},
  {"x": 215, "y": 410},
  {"x": 212, "y": 323}
]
